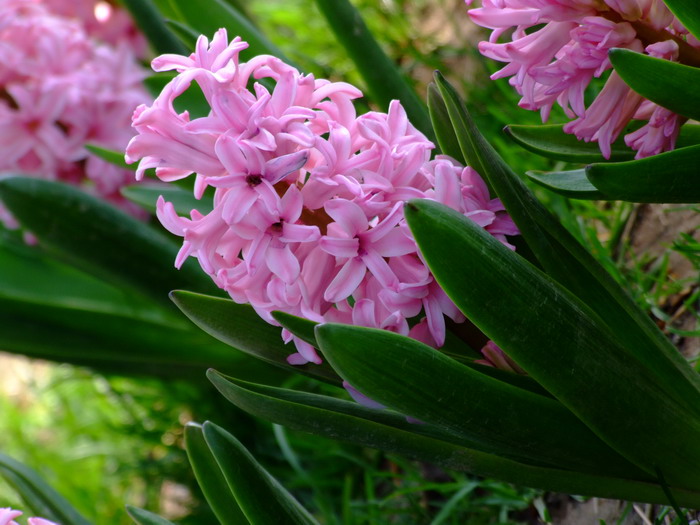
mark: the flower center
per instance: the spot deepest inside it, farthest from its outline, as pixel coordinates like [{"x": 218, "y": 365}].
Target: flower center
[{"x": 253, "y": 180}]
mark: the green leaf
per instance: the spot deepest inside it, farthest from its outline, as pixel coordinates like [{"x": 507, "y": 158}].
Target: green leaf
[
  {"x": 442, "y": 127},
  {"x": 431, "y": 387},
  {"x": 100, "y": 239},
  {"x": 151, "y": 23},
  {"x": 111, "y": 156},
  {"x": 388, "y": 431},
  {"x": 565, "y": 260},
  {"x": 669, "y": 84},
  {"x": 210, "y": 478},
  {"x": 668, "y": 177},
  {"x": 688, "y": 12},
  {"x": 191, "y": 100},
  {"x": 185, "y": 33},
  {"x": 207, "y": 17},
  {"x": 302, "y": 328},
  {"x": 144, "y": 517},
  {"x": 384, "y": 80},
  {"x": 239, "y": 326},
  {"x": 572, "y": 184},
  {"x": 550, "y": 141},
  {"x": 260, "y": 496},
  {"x": 38, "y": 495},
  {"x": 561, "y": 343},
  {"x": 183, "y": 200}
]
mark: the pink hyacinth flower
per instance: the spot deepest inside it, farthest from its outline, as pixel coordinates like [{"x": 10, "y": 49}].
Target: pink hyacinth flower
[
  {"x": 308, "y": 196},
  {"x": 7, "y": 517}
]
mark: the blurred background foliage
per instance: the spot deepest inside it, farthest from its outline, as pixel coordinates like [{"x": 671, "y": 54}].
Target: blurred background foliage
[{"x": 103, "y": 441}]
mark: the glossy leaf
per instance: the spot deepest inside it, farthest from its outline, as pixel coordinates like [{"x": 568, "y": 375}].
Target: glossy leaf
[
  {"x": 688, "y": 12},
  {"x": 550, "y": 141},
  {"x": 442, "y": 127},
  {"x": 207, "y": 17},
  {"x": 669, "y": 84},
  {"x": 430, "y": 387},
  {"x": 239, "y": 326},
  {"x": 561, "y": 343},
  {"x": 100, "y": 239},
  {"x": 38, "y": 495},
  {"x": 183, "y": 200},
  {"x": 572, "y": 184},
  {"x": 210, "y": 478},
  {"x": 388, "y": 431},
  {"x": 260, "y": 496},
  {"x": 152, "y": 25},
  {"x": 565, "y": 260},
  {"x": 381, "y": 75},
  {"x": 668, "y": 177},
  {"x": 145, "y": 517}
]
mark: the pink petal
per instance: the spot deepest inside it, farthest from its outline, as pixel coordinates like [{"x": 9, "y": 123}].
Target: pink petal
[{"x": 346, "y": 282}]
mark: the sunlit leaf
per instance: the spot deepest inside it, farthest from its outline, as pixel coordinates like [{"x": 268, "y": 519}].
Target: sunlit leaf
[{"x": 572, "y": 184}]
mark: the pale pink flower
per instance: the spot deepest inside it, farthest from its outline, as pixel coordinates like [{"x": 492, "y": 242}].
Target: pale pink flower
[
  {"x": 556, "y": 48},
  {"x": 60, "y": 89},
  {"x": 308, "y": 201},
  {"x": 7, "y": 517}
]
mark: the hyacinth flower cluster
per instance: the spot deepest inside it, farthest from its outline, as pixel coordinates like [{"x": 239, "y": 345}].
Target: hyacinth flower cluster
[
  {"x": 7, "y": 517},
  {"x": 308, "y": 196},
  {"x": 61, "y": 89},
  {"x": 553, "y": 50}
]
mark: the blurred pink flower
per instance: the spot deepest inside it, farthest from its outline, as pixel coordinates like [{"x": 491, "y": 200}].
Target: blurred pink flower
[
  {"x": 7, "y": 517},
  {"x": 308, "y": 196},
  {"x": 556, "y": 48},
  {"x": 60, "y": 89}
]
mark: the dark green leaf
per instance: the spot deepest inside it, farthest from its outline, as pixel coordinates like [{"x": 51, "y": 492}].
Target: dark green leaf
[
  {"x": 384, "y": 80},
  {"x": 688, "y": 12},
  {"x": 151, "y": 23},
  {"x": 668, "y": 177},
  {"x": 239, "y": 326},
  {"x": 572, "y": 184},
  {"x": 183, "y": 200},
  {"x": 144, "y": 517},
  {"x": 414, "y": 379},
  {"x": 570, "y": 264},
  {"x": 302, "y": 328},
  {"x": 388, "y": 431},
  {"x": 561, "y": 343},
  {"x": 442, "y": 126},
  {"x": 210, "y": 478},
  {"x": 669, "y": 84},
  {"x": 38, "y": 495},
  {"x": 100, "y": 239},
  {"x": 550, "y": 141},
  {"x": 260, "y": 496}
]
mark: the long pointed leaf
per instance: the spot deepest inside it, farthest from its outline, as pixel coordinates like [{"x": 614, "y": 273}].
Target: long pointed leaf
[
  {"x": 668, "y": 177},
  {"x": 669, "y": 84},
  {"x": 38, "y": 494},
  {"x": 144, "y": 517},
  {"x": 210, "y": 478},
  {"x": 569, "y": 263},
  {"x": 688, "y": 12},
  {"x": 561, "y": 343},
  {"x": 260, "y": 496},
  {"x": 572, "y": 184},
  {"x": 151, "y": 23},
  {"x": 442, "y": 126},
  {"x": 183, "y": 200},
  {"x": 239, "y": 326},
  {"x": 100, "y": 239},
  {"x": 428, "y": 386},
  {"x": 383, "y": 78},
  {"x": 354, "y": 423}
]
